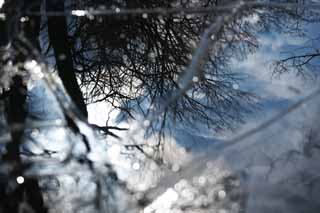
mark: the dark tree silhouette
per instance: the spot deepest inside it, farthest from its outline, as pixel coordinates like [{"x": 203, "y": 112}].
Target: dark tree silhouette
[
  {"x": 124, "y": 59},
  {"x": 58, "y": 36},
  {"x": 133, "y": 60}
]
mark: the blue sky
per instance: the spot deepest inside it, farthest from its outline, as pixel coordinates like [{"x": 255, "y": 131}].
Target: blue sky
[{"x": 276, "y": 92}]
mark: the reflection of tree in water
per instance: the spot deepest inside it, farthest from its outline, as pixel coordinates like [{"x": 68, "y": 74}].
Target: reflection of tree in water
[{"x": 142, "y": 58}]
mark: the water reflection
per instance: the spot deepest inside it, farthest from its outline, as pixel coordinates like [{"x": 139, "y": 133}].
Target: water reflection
[{"x": 221, "y": 146}]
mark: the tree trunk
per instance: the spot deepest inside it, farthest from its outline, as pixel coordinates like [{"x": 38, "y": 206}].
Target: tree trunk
[
  {"x": 58, "y": 35},
  {"x": 28, "y": 191}
]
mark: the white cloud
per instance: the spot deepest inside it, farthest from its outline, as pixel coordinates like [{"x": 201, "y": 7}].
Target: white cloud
[{"x": 258, "y": 67}]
